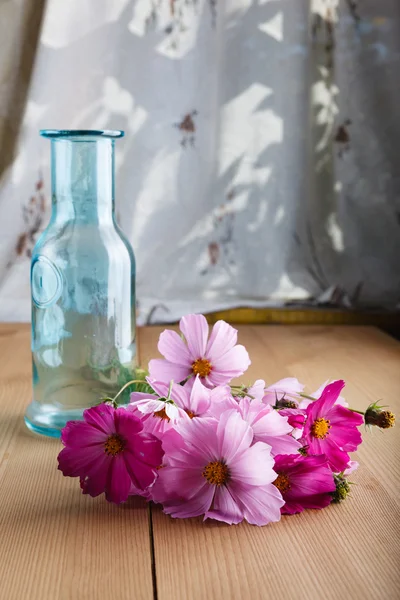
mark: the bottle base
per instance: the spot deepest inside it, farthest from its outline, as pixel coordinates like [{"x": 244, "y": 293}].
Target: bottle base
[{"x": 47, "y": 421}]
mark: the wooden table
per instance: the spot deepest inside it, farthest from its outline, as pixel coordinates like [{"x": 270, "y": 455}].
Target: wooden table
[{"x": 58, "y": 544}]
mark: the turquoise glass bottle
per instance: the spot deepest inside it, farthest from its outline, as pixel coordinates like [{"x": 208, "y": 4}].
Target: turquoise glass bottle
[{"x": 83, "y": 286}]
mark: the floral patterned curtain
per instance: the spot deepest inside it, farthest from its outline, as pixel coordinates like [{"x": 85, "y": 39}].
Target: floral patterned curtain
[{"x": 259, "y": 166}]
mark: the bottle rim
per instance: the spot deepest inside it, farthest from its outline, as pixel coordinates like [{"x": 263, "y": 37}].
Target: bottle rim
[{"x": 73, "y": 133}]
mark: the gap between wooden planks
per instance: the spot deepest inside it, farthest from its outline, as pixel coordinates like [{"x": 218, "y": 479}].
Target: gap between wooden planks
[{"x": 345, "y": 551}]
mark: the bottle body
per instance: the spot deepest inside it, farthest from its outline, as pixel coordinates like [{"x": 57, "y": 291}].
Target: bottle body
[{"x": 83, "y": 307}]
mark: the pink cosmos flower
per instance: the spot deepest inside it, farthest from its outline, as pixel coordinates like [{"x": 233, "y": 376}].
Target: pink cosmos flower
[
  {"x": 157, "y": 412},
  {"x": 160, "y": 414},
  {"x": 110, "y": 453},
  {"x": 331, "y": 429},
  {"x": 211, "y": 468},
  {"x": 268, "y": 426},
  {"x": 304, "y": 482},
  {"x": 215, "y": 359},
  {"x": 288, "y": 389},
  {"x": 256, "y": 391}
]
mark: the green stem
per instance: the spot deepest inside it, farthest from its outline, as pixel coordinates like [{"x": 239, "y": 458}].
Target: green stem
[
  {"x": 307, "y": 396},
  {"x": 127, "y": 385},
  {"x": 171, "y": 383},
  {"x": 360, "y": 412}
]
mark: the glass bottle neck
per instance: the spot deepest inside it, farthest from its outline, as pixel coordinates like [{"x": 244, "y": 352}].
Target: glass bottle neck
[{"x": 83, "y": 180}]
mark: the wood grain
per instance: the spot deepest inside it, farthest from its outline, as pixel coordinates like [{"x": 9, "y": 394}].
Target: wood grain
[
  {"x": 55, "y": 543},
  {"x": 345, "y": 551}
]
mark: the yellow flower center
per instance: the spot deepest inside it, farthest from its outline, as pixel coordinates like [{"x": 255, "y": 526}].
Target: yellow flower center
[
  {"x": 201, "y": 367},
  {"x": 282, "y": 483},
  {"x": 161, "y": 414},
  {"x": 114, "y": 444},
  {"x": 190, "y": 413},
  {"x": 216, "y": 473},
  {"x": 320, "y": 428},
  {"x": 387, "y": 419}
]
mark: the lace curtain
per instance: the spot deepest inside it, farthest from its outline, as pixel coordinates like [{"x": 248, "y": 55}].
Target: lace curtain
[{"x": 260, "y": 163}]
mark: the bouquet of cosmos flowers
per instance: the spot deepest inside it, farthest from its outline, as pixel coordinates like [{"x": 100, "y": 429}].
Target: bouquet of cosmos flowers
[{"x": 199, "y": 446}]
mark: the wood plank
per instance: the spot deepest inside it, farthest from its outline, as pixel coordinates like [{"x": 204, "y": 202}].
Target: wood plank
[
  {"x": 345, "y": 551},
  {"x": 55, "y": 543}
]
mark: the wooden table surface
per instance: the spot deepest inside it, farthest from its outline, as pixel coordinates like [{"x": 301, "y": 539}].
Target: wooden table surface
[{"x": 56, "y": 543}]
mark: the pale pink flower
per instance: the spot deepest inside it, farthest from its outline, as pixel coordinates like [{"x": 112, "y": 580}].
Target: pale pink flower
[
  {"x": 268, "y": 426},
  {"x": 157, "y": 412},
  {"x": 160, "y": 413},
  {"x": 288, "y": 389},
  {"x": 256, "y": 391},
  {"x": 215, "y": 359},
  {"x": 351, "y": 467},
  {"x": 212, "y": 468}
]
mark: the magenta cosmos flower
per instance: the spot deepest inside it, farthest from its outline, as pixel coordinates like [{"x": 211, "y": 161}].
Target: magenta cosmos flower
[
  {"x": 304, "y": 482},
  {"x": 211, "y": 468},
  {"x": 215, "y": 359},
  {"x": 331, "y": 429},
  {"x": 110, "y": 453}
]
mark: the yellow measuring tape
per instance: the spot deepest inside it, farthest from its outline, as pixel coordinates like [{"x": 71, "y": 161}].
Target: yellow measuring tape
[{"x": 300, "y": 316}]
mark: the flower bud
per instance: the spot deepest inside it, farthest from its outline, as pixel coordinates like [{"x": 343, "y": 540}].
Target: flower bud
[
  {"x": 381, "y": 418},
  {"x": 283, "y": 403},
  {"x": 342, "y": 488}
]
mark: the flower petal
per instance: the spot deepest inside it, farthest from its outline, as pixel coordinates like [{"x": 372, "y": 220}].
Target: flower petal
[
  {"x": 163, "y": 370},
  {"x": 232, "y": 364},
  {"x": 201, "y": 437},
  {"x": 141, "y": 474},
  {"x": 196, "y": 506},
  {"x": 127, "y": 424},
  {"x": 148, "y": 407},
  {"x": 137, "y": 396},
  {"x": 267, "y": 421},
  {"x": 254, "y": 466},
  {"x": 223, "y": 337},
  {"x": 289, "y": 386},
  {"x": 337, "y": 458},
  {"x": 260, "y": 505},
  {"x": 281, "y": 444},
  {"x": 186, "y": 482},
  {"x": 81, "y": 434},
  {"x": 78, "y": 461},
  {"x": 172, "y": 346},
  {"x": 119, "y": 481},
  {"x": 225, "y": 508},
  {"x": 199, "y": 399},
  {"x": 101, "y": 417},
  {"x": 328, "y": 397},
  {"x": 234, "y": 436},
  {"x": 195, "y": 330},
  {"x": 256, "y": 391},
  {"x": 95, "y": 484}
]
